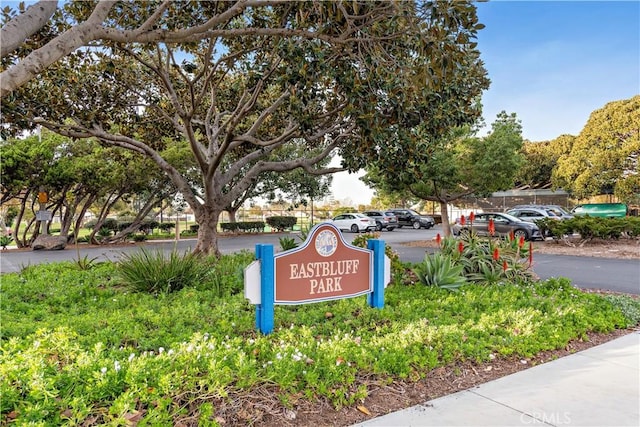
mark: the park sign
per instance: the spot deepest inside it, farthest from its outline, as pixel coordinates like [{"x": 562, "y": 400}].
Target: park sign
[{"x": 323, "y": 268}]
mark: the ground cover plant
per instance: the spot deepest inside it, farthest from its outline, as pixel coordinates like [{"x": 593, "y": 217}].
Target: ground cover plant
[{"x": 80, "y": 346}]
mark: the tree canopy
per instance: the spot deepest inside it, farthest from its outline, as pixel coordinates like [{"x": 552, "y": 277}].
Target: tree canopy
[
  {"x": 540, "y": 160},
  {"x": 249, "y": 79},
  {"x": 458, "y": 165},
  {"x": 604, "y": 157}
]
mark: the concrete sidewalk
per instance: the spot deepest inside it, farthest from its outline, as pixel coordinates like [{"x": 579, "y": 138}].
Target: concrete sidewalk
[{"x": 595, "y": 387}]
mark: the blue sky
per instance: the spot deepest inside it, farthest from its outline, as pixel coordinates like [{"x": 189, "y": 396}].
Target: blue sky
[
  {"x": 550, "y": 62},
  {"x": 553, "y": 63}
]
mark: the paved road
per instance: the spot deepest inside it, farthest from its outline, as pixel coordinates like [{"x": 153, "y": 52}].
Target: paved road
[{"x": 620, "y": 275}]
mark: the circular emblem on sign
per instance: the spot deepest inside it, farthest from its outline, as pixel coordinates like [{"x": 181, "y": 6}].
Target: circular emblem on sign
[{"x": 326, "y": 242}]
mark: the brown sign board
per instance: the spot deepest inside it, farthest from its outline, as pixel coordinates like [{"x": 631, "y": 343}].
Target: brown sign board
[{"x": 325, "y": 267}]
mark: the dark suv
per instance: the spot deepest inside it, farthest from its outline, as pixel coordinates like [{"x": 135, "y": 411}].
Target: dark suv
[{"x": 411, "y": 218}]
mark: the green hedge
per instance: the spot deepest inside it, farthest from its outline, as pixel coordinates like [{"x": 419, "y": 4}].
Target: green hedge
[
  {"x": 245, "y": 226},
  {"x": 281, "y": 223},
  {"x": 592, "y": 227}
]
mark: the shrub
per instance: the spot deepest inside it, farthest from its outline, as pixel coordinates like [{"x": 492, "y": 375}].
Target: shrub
[
  {"x": 139, "y": 237},
  {"x": 629, "y": 306},
  {"x": 244, "y": 226},
  {"x": 104, "y": 232},
  {"x": 166, "y": 227},
  {"x": 155, "y": 272},
  {"x": 592, "y": 227},
  {"x": 110, "y": 223},
  {"x": 282, "y": 223}
]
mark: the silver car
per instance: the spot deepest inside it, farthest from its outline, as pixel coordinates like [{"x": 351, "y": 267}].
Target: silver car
[
  {"x": 384, "y": 220},
  {"x": 530, "y": 214},
  {"x": 556, "y": 209},
  {"x": 504, "y": 224}
]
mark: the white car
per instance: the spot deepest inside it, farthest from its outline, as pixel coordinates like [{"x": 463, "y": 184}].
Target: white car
[{"x": 354, "y": 222}]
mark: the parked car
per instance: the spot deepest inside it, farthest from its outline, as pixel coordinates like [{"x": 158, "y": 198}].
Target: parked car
[
  {"x": 504, "y": 224},
  {"x": 354, "y": 222},
  {"x": 411, "y": 218},
  {"x": 556, "y": 209},
  {"x": 531, "y": 214},
  {"x": 385, "y": 220}
]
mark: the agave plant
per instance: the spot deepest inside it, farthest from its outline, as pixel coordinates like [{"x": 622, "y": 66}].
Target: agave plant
[
  {"x": 287, "y": 243},
  {"x": 5, "y": 241},
  {"x": 439, "y": 270}
]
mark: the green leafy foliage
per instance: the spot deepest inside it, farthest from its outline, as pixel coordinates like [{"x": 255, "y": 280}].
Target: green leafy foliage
[
  {"x": 628, "y": 305},
  {"x": 155, "y": 272},
  {"x": 592, "y": 227},
  {"x": 139, "y": 237},
  {"x": 456, "y": 165},
  {"x": 76, "y": 345},
  {"x": 603, "y": 157},
  {"x": 244, "y": 226},
  {"x": 281, "y": 223},
  {"x": 5, "y": 241},
  {"x": 438, "y": 270},
  {"x": 298, "y": 84},
  {"x": 287, "y": 243},
  {"x": 488, "y": 259},
  {"x": 85, "y": 263}
]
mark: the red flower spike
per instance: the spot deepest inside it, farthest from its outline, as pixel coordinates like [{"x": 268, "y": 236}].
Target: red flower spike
[
  {"x": 521, "y": 242},
  {"x": 438, "y": 239},
  {"x": 460, "y": 247},
  {"x": 492, "y": 227},
  {"x": 472, "y": 216},
  {"x": 512, "y": 236},
  {"x": 504, "y": 265},
  {"x": 496, "y": 254},
  {"x": 462, "y": 220}
]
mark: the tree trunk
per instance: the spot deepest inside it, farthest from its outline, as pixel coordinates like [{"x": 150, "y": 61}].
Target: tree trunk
[
  {"x": 232, "y": 214},
  {"x": 21, "y": 243},
  {"x": 207, "y": 232},
  {"x": 80, "y": 218},
  {"x": 103, "y": 215},
  {"x": 444, "y": 214},
  {"x": 137, "y": 221}
]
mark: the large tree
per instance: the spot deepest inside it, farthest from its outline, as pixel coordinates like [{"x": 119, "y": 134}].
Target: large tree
[
  {"x": 77, "y": 176},
  {"x": 338, "y": 77},
  {"x": 540, "y": 160},
  {"x": 458, "y": 165},
  {"x": 604, "y": 157}
]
